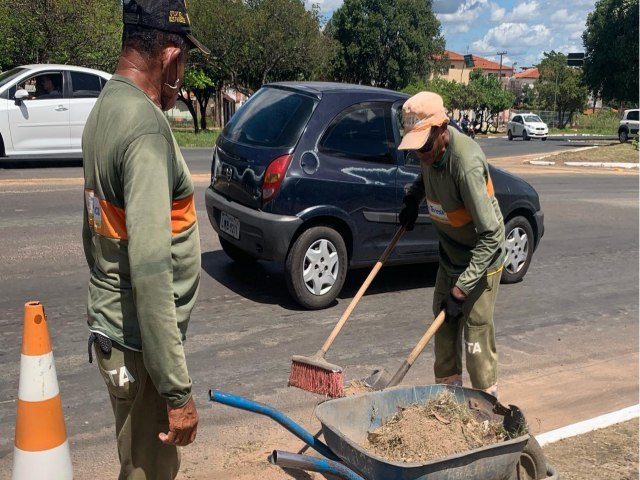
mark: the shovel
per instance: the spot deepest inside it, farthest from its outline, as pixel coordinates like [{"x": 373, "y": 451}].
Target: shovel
[{"x": 381, "y": 379}]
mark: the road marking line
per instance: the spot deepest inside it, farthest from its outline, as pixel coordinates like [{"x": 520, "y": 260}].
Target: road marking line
[{"x": 590, "y": 425}]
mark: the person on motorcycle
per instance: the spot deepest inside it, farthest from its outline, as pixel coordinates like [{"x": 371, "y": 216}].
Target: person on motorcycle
[{"x": 466, "y": 125}]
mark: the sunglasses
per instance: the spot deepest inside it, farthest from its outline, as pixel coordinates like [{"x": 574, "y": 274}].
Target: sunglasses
[{"x": 426, "y": 148}]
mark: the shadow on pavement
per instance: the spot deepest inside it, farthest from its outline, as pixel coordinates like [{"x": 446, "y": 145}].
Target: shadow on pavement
[{"x": 264, "y": 282}]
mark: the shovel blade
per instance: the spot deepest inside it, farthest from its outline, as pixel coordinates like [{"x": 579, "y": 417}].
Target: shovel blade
[{"x": 378, "y": 380}]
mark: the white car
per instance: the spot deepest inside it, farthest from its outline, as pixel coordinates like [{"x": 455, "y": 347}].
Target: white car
[
  {"x": 43, "y": 109},
  {"x": 527, "y": 126},
  {"x": 628, "y": 125}
]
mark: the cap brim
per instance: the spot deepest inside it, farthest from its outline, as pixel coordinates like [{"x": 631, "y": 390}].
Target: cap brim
[
  {"x": 414, "y": 140},
  {"x": 197, "y": 44}
]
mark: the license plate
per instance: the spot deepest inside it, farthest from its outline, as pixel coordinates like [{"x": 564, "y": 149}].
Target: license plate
[{"x": 230, "y": 225}]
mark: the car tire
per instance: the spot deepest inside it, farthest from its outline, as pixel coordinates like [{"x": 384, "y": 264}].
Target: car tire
[
  {"x": 316, "y": 267},
  {"x": 544, "y": 139},
  {"x": 531, "y": 464},
  {"x": 519, "y": 247},
  {"x": 509, "y": 135},
  {"x": 234, "y": 253},
  {"x": 525, "y": 136},
  {"x": 623, "y": 136}
]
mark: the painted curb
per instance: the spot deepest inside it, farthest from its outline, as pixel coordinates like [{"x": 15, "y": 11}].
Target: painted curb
[
  {"x": 603, "y": 164},
  {"x": 541, "y": 162},
  {"x": 590, "y": 425}
]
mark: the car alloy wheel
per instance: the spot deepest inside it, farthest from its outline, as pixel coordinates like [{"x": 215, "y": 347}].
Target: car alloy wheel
[
  {"x": 316, "y": 267},
  {"x": 509, "y": 135},
  {"x": 519, "y": 249},
  {"x": 525, "y": 135}
]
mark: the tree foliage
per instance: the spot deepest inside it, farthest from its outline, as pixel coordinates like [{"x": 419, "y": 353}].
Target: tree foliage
[
  {"x": 257, "y": 41},
  {"x": 611, "y": 50},
  {"x": 86, "y": 33},
  {"x": 561, "y": 88},
  {"x": 385, "y": 43}
]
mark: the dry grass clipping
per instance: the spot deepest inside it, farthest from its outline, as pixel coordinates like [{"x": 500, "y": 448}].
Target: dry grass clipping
[{"x": 442, "y": 427}]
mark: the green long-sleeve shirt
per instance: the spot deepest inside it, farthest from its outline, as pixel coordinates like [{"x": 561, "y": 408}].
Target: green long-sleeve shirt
[
  {"x": 140, "y": 233},
  {"x": 464, "y": 211}
]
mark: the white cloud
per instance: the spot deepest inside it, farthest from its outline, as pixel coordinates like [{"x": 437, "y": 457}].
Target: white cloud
[
  {"x": 523, "y": 12},
  {"x": 467, "y": 12},
  {"x": 515, "y": 36},
  {"x": 497, "y": 12}
]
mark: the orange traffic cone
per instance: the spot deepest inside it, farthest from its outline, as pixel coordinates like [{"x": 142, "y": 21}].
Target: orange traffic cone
[{"x": 41, "y": 448}]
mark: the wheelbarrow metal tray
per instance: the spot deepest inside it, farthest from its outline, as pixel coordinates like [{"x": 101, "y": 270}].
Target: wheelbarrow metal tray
[{"x": 346, "y": 422}]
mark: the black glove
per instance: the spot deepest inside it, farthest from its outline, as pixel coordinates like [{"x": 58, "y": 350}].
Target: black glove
[
  {"x": 453, "y": 308},
  {"x": 409, "y": 212}
]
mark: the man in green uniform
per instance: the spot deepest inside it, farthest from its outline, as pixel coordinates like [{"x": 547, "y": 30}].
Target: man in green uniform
[
  {"x": 463, "y": 208},
  {"x": 141, "y": 242}
]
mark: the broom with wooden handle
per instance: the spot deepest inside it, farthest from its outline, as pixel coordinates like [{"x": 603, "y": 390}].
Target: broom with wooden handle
[{"x": 314, "y": 373}]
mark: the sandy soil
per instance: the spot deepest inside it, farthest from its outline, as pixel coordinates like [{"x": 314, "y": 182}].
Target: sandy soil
[{"x": 610, "y": 453}]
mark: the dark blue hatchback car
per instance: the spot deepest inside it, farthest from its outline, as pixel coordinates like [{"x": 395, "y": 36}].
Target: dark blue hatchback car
[{"x": 309, "y": 174}]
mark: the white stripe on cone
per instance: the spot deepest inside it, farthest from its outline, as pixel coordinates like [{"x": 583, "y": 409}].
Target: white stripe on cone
[
  {"x": 52, "y": 464},
  {"x": 38, "y": 379}
]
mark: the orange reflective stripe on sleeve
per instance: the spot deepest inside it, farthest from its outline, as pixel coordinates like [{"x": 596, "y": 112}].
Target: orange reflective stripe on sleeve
[
  {"x": 110, "y": 221},
  {"x": 457, "y": 217},
  {"x": 183, "y": 214}
]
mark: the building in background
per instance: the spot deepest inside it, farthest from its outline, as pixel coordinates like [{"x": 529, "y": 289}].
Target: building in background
[{"x": 461, "y": 66}]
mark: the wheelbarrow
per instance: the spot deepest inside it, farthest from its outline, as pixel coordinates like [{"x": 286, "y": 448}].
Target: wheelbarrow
[{"x": 347, "y": 421}]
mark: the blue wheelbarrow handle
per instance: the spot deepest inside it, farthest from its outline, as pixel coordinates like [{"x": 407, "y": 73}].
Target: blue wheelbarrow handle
[
  {"x": 255, "y": 407},
  {"x": 312, "y": 464}
]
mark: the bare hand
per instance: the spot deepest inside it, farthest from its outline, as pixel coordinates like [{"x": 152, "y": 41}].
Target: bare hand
[{"x": 183, "y": 425}]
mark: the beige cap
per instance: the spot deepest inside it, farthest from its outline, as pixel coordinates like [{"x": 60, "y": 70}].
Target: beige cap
[{"x": 421, "y": 112}]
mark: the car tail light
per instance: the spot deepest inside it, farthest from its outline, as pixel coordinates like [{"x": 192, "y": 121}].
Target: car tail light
[{"x": 274, "y": 176}]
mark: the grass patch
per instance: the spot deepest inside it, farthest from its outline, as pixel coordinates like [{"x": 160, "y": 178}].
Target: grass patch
[
  {"x": 616, "y": 152},
  {"x": 205, "y": 139}
]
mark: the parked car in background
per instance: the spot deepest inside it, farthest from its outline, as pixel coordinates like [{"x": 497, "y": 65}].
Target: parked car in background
[
  {"x": 309, "y": 175},
  {"x": 628, "y": 125},
  {"x": 43, "y": 108},
  {"x": 527, "y": 126}
]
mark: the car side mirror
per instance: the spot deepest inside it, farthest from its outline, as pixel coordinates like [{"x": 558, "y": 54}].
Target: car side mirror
[{"x": 20, "y": 96}]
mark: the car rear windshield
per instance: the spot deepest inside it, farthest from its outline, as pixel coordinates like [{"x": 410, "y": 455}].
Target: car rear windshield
[{"x": 272, "y": 117}]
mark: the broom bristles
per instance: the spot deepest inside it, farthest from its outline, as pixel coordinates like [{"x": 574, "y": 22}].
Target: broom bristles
[{"x": 316, "y": 379}]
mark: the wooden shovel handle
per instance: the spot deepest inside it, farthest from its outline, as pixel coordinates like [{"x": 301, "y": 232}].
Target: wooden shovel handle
[
  {"x": 415, "y": 353},
  {"x": 363, "y": 288}
]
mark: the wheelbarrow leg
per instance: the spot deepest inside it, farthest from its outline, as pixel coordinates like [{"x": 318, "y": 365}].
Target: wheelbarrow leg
[
  {"x": 312, "y": 464},
  {"x": 262, "y": 409}
]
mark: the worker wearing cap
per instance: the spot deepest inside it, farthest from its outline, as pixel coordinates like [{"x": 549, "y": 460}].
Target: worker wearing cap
[
  {"x": 141, "y": 242},
  {"x": 463, "y": 209}
]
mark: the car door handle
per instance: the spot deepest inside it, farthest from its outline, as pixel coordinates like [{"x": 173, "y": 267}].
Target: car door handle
[{"x": 61, "y": 108}]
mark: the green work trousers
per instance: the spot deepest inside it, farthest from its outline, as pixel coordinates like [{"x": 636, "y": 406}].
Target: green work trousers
[
  {"x": 140, "y": 414},
  {"x": 474, "y": 333}
]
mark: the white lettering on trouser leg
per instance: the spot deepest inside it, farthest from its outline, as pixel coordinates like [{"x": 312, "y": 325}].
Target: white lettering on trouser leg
[
  {"x": 122, "y": 376},
  {"x": 473, "y": 347}
]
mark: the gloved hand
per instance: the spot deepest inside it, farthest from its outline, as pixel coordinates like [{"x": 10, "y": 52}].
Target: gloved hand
[
  {"x": 409, "y": 212},
  {"x": 453, "y": 308}
]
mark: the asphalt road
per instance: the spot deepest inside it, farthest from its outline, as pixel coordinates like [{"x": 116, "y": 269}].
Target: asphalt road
[{"x": 567, "y": 335}]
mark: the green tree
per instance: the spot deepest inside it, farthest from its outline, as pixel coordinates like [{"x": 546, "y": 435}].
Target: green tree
[
  {"x": 257, "y": 41},
  {"x": 561, "y": 88},
  {"x": 386, "y": 43},
  {"x": 60, "y": 31},
  {"x": 611, "y": 51},
  {"x": 488, "y": 98}
]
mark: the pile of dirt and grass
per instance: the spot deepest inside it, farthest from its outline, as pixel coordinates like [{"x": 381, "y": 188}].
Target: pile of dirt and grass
[{"x": 439, "y": 428}]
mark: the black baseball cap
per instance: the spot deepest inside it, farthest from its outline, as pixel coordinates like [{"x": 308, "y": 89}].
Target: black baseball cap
[{"x": 166, "y": 15}]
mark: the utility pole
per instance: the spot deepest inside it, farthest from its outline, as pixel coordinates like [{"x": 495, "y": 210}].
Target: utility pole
[
  {"x": 500, "y": 80},
  {"x": 500, "y": 71}
]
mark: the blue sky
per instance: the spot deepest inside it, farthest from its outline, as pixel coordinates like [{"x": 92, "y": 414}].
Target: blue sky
[{"x": 523, "y": 29}]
